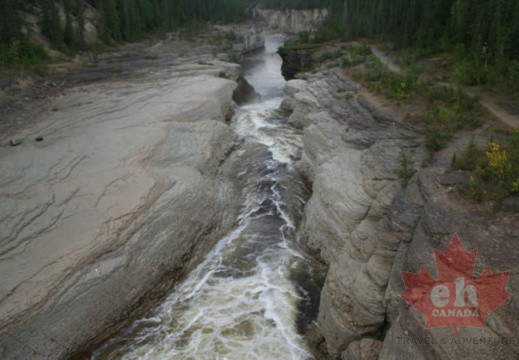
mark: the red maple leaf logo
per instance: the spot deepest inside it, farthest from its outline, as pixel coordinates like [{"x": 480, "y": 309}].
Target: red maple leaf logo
[{"x": 455, "y": 299}]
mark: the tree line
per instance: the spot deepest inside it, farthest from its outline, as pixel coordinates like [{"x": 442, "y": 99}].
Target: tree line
[
  {"x": 125, "y": 20},
  {"x": 487, "y": 27},
  {"x": 62, "y": 21},
  {"x": 294, "y": 4},
  {"x": 62, "y": 34},
  {"x": 485, "y": 30}
]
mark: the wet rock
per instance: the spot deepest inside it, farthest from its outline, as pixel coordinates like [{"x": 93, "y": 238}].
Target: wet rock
[
  {"x": 244, "y": 93},
  {"x": 295, "y": 60}
]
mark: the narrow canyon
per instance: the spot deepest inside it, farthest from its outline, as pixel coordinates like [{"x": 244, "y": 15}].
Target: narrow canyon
[{"x": 169, "y": 203}]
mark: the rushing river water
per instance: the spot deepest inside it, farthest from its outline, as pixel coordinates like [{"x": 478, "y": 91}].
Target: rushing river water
[{"x": 255, "y": 293}]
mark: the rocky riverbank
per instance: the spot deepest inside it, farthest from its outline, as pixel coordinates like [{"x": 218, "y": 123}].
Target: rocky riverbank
[
  {"x": 295, "y": 61},
  {"x": 292, "y": 21},
  {"x": 367, "y": 228},
  {"x": 134, "y": 177},
  {"x": 131, "y": 184}
]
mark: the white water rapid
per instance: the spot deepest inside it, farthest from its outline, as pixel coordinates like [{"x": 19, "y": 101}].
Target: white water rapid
[{"x": 246, "y": 300}]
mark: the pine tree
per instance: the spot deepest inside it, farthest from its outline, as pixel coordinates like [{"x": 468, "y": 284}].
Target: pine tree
[
  {"x": 490, "y": 26},
  {"x": 50, "y": 23},
  {"x": 10, "y": 21}
]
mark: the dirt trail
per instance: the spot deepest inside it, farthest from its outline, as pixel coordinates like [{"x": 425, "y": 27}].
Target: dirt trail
[
  {"x": 486, "y": 99},
  {"x": 385, "y": 59},
  {"x": 497, "y": 110}
]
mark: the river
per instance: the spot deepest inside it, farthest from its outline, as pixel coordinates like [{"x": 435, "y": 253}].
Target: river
[{"x": 255, "y": 293}]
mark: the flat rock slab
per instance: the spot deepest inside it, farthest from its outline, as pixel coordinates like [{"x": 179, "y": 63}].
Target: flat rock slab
[{"x": 121, "y": 192}]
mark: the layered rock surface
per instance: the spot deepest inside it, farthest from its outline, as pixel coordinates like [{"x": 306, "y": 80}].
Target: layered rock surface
[
  {"x": 367, "y": 229},
  {"x": 130, "y": 187},
  {"x": 292, "y": 21}
]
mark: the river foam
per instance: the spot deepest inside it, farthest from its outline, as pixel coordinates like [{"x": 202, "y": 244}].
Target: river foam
[{"x": 241, "y": 302}]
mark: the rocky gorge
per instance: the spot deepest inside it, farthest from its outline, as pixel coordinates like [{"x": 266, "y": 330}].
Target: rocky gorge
[
  {"x": 144, "y": 170},
  {"x": 292, "y": 21},
  {"x": 367, "y": 229}
]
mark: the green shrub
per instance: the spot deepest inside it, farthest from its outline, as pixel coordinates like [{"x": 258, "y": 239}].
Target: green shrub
[
  {"x": 357, "y": 54},
  {"x": 96, "y": 48},
  {"x": 346, "y": 62},
  {"x": 360, "y": 50},
  {"x": 23, "y": 55},
  {"x": 502, "y": 168},
  {"x": 406, "y": 171},
  {"x": 474, "y": 73},
  {"x": 513, "y": 74},
  {"x": 449, "y": 111},
  {"x": 469, "y": 159},
  {"x": 409, "y": 60},
  {"x": 435, "y": 139},
  {"x": 232, "y": 36},
  {"x": 304, "y": 37},
  {"x": 330, "y": 29},
  {"x": 477, "y": 72},
  {"x": 298, "y": 46},
  {"x": 496, "y": 172},
  {"x": 329, "y": 55},
  {"x": 477, "y": 190},
  {"x": 390, "y": 83},
  {"x": 234, "y": 58}
]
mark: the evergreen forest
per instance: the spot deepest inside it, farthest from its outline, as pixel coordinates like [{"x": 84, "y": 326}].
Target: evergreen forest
[{"x": 484, "y": 34}]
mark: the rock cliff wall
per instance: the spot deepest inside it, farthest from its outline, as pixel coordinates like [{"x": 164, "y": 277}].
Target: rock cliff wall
[
  {"x": 92, "y": 20},
  {"x": 292, "y": 21},
  {"x": 367, "y": 229},
  {"x": 249, "y": 36},
  {"x": 295, "y": 61}
]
